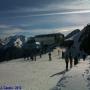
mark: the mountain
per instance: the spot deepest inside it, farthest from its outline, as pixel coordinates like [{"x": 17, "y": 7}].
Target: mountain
[
  {"x": 1, "y": 43},
  {"x": 80, "y": 45},
  {"x": 85, "y": 39},
  {"x": 17, "y": 40},
  {"x": 72, "y": 33}
]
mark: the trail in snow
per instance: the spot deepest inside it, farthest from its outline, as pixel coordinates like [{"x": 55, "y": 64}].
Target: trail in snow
[
  {"x": 45, "y": 75},
  {"x": 78, "y": 78}
]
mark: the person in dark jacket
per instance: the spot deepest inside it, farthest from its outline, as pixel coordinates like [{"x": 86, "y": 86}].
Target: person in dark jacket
[
  {"x": 66, "y": 56},
  {"x": 66, "y": 61},
  {"x": 49, "y": 54},
  {"x": 71, "y": 60}
]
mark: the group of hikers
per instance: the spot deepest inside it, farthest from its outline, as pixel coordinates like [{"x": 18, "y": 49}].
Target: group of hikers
[
  {"x": 72, "y": 54},
  {"x": 31, "y": 55}
]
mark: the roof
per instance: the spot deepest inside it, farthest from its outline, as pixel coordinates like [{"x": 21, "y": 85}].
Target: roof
[{"x": 49, "y": 35}]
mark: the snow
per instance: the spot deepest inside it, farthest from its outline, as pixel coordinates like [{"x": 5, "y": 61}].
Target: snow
[
  {"x": 75, "y": 48},
  {"x": 73, "y": 79},
  {"x": 44, "y": 74}
]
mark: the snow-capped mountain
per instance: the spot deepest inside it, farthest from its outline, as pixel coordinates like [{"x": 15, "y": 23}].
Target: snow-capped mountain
[
  {"x": 85, "y": 39},
  {"x": 17, "y": 40},
  {"x": 72, "y": 33},
  {"x": 81, "y": 43},
  {"x": 81, "y": 40}
]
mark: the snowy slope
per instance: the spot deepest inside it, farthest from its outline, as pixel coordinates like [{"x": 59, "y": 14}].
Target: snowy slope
[
  {"x": 72, "y": 33},
  {"x": 32, "y": 75},
  {"x": 44, "y": 74},
  {"x": 75, "y": 79}
]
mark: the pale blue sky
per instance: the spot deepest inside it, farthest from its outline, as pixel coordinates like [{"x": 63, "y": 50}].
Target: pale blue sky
[{"x": 32, "y": 17}]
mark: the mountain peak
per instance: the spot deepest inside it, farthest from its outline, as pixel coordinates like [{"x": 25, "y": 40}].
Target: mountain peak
[{"x": 72, "y": 33}]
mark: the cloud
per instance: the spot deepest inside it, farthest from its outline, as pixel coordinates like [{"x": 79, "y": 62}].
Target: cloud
[
  {"x": 28, "y": 33},
  {"x": 43, "y": 5},
  {"x": 15, "y": 4},
  {"x": 59, "y": 13},
  {"x": 49, "y": 22},
  {"x": 31, "y": 17},
  {"x": 45, "y": 13},
  {"x": 7, "y": 30}
]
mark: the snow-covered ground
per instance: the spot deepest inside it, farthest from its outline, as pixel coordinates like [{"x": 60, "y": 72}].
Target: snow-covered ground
[
  {"x": 44, "y": 74},
  {"x": 78, "y": 78}
]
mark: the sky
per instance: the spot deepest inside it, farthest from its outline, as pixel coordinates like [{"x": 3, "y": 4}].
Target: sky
[{"x": 33, "y": 17}]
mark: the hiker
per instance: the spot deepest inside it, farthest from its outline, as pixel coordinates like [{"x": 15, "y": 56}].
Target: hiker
[
  {"x": 49, "y": 54},
  {"x": 31, "y": 57},
  {"x": 78, "y": 56},
  {"x": 63, "y": 54},
  {"x": 71, "y": 60},
  {"x": 66, "y": 56},
  {"x": 58, "y": 52},
  {"x": 35, "y": 54},
  {"x": 83, "y": 55},
  {"x": 40, "y": 53},
  {"x": 75, "y": 55},
  {"x": 35, "y": 57},
  {"x": 75, "y": 60},
  {"x": 66, "y": 61}
]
